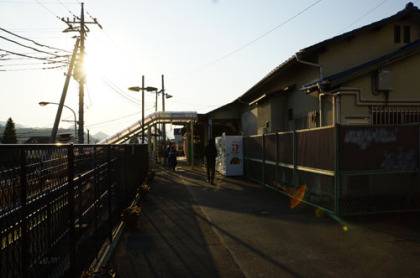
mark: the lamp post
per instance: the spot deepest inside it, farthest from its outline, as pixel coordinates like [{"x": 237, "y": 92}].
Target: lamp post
[
  {"x": 142, "y": 89},
  {"x": 45, "y": 103}
]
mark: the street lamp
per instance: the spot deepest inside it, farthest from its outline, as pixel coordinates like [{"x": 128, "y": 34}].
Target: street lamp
[
  {"x": 142, "y": 89},
  {"x": 45, "y": 103}
]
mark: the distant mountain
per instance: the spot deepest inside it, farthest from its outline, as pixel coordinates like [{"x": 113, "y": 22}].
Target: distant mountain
[
  {"x": 24, "y": 133},
  {"x": 3, "y": 124},
  {"x": 100, "y": 136}
]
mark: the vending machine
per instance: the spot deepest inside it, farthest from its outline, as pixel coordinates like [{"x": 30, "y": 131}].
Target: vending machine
[{"x": 230, "y": 159}]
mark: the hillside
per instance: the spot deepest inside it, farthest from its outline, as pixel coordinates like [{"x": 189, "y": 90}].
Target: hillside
[{"x": 24, "y": 133}]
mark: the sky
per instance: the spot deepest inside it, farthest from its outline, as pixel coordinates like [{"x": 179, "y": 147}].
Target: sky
[{"x": 209, "y": 51}]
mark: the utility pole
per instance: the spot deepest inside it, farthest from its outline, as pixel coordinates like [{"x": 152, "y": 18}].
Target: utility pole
[
  {"x": 82, "y": 80},
  {"x": 63, "y": 94},
  {"x": 79, "y": 74},
  {"x": 142, "y": 110},
  {"x": 163, "y": 110}
]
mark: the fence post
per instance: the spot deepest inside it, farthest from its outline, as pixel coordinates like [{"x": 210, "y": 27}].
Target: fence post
[
  {"x": 96, "y": 197},
  {"x": 276, "y": 149},
  {"x": 109, "y": 192},
  {"x": 263, "y": 158},
  {"x": 336, "y": 170},
  {"x": 23, "y": 215},
  {"x": 72, "y": 232},
  {"x": 294, "y": 159},
  {"x": 248, "y": 156}
]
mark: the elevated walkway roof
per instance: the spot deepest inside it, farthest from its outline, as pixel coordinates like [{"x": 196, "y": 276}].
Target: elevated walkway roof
[{"x": 176, "y": 118}]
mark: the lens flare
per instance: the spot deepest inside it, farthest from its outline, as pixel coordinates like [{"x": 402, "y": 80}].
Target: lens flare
[
  {"x": 319, "y": 212},
  {"x": 296, "y": 194}
]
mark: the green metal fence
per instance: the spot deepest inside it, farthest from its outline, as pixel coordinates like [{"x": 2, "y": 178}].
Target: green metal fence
[{"x": 342, "y": 169}]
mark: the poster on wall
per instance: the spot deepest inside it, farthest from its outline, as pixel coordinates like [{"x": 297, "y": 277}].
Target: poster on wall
[{"x": 230, "y": 155}]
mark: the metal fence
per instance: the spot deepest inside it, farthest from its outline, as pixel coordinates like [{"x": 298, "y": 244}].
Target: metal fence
[
  {"x": 58, "y": 204},
  {"x": 343, "y": 169}
]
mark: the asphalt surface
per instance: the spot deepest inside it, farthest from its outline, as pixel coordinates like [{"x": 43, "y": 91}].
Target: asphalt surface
[{"x": 237, "y": 228}]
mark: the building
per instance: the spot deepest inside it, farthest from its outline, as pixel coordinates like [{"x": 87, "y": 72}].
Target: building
[
  {"x": 338, "y": 122},
  {"x": 366, "y": 76}
]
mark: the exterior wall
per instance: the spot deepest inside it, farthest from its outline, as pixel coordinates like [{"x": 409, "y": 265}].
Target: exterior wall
[
  {"x": 327, "y": 113},
  {"x": 363, "y": 47},
  {"x": 357, "y": 96},
  {"x": 250, "y": 122},
  {"x": 264, "y": 117},
  {"x": 278, "y": 114}
]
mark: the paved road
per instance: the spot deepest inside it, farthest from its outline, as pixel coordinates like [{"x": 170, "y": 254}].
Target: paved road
[{"x": 236, "y": 228}]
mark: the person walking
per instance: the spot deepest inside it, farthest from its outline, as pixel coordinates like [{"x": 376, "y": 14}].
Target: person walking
[
  {"x": 210, "y": 152},
  {"x": 172, "y": 158},
  {"x": 167, "y": 152}
]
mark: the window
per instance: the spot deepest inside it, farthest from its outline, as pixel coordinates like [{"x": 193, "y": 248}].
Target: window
[
  {"x": 397, "y": 33},
  {"x": 395, "y": 115},
  {"x": 407, "y": 38},
  {"x": 402, "y": 34}
]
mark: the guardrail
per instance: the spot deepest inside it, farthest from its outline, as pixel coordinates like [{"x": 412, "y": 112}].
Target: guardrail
[{"x": 58, "y": 204}]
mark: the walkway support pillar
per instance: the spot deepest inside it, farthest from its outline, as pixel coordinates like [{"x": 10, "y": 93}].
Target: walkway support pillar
[{"x": 192, "y": 144}]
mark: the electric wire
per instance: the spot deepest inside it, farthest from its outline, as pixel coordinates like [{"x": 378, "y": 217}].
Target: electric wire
[
  {"x": 29, "y": 47},
  {"x": 253, "y": 41},
  {"x": 364, "y": 15},
  {"x": 113, "y": 120},
  {"x": 61, "y": 3},
  {"x": 45, "y": 7},
  {"x": 29, "y": 69},
  {"x": 34, "y": 42},
  {"x": 28, "y": 56},
  {"x": 119, "y": 92}
]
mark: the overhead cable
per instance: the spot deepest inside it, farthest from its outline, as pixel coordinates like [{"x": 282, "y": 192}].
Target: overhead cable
[
  {"x": 256, "y": 39},
  {"x": 29, "y": 47},
  {"x": 34, "y": 42},
  {"x": 32, "y": 57}
]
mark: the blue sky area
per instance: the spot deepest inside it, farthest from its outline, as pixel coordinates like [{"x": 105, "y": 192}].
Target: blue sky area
[{"x": 210, "y": 51}]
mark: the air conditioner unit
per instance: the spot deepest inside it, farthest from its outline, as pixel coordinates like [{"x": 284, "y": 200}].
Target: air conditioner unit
[{"x": 384, "y": 80}]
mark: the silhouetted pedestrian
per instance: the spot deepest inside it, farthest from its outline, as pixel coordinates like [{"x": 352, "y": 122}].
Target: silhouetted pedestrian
[
  {"x": 172, "y": 158},
  {"x": 210, "y": 152},
  {"x": 167, "y": 152}
]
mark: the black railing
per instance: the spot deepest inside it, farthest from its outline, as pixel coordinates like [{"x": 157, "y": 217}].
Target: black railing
[{"x": 59, "y": 204}]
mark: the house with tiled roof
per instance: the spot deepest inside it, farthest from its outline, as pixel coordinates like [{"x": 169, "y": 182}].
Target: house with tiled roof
[
  {"x": 365, "y": 76},
  {"x": 337, "y": 125}
]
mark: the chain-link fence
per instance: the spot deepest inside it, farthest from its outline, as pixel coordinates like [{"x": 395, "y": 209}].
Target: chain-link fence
[
  {"x": 58, "y": 204},
  {"x": 343, "y": 169}
]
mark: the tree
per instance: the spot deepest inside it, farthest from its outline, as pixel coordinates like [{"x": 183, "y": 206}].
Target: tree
[{"x": 9, "y": 133}]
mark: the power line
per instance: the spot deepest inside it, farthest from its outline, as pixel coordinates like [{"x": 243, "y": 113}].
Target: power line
[
  {"x": 113, "y": 120},
  {"x": 42, "y": 45},
  {"x": 45, "y": 7},
  {"x": 32, "y": 57},
  {"x": 29, "y": 47},
  {"x": 364, "y": 15},
  {"x": 28, "y": 69},
  {"x": 119, "y": 91},
  {"x": 254, "y": 40},
  {"x": 61, "y": 3}
]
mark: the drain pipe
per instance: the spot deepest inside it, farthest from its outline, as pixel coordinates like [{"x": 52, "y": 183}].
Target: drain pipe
[
  {"x": 321, "y": 74},
  {"x": 319, "y": 85}
]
